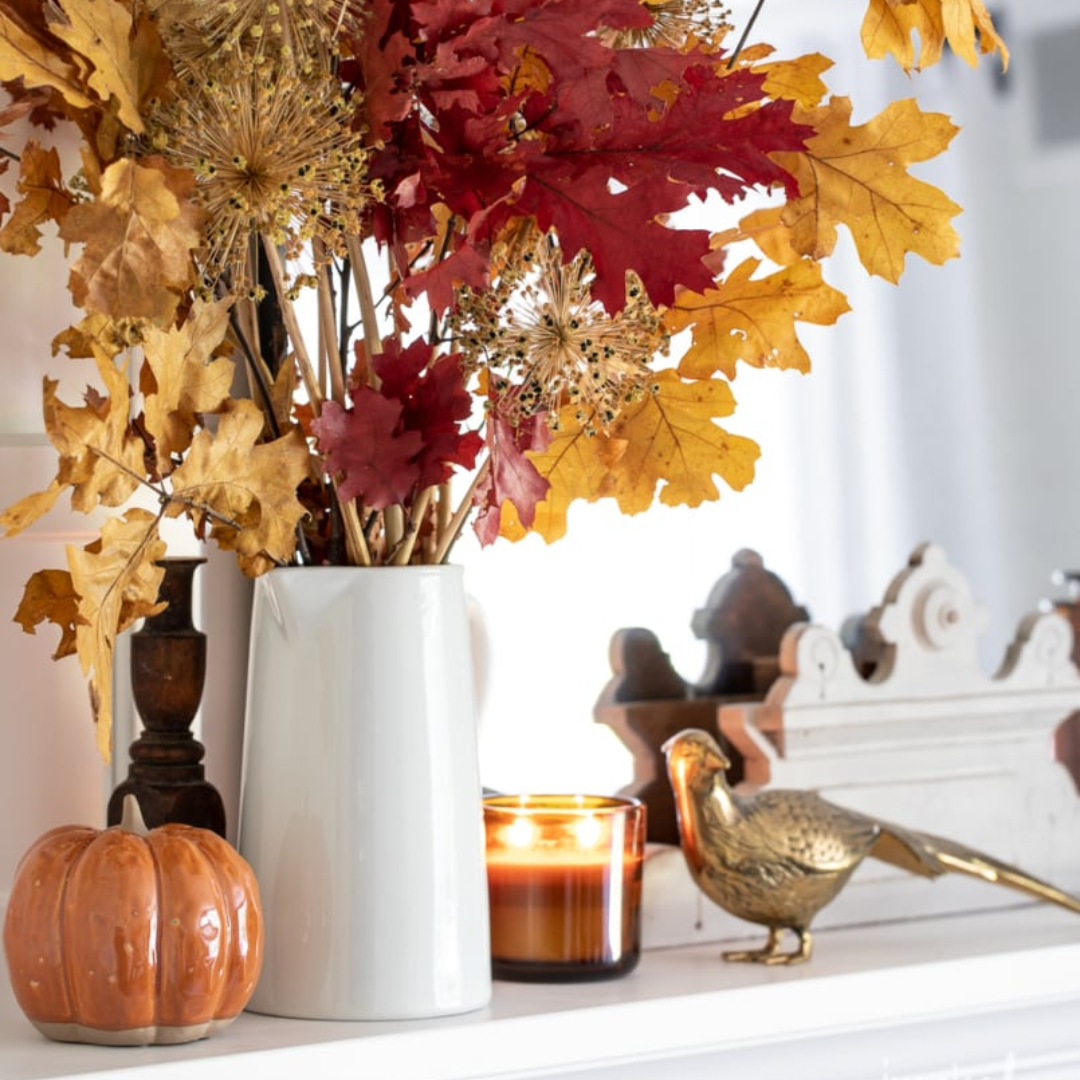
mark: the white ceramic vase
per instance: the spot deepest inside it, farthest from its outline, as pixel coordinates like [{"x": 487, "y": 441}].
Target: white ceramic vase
[{"x": 361, "y": 809}]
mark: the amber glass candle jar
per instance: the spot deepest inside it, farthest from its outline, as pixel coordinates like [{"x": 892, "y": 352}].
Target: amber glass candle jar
[{"x": 564, "y": 881}]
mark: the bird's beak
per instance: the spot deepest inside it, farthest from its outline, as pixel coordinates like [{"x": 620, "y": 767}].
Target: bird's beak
[
  {"x": 715, "y": 759},
  {"x": 706, "y": 750}
]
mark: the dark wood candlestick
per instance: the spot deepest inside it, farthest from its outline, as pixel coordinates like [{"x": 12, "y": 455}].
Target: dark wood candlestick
[{"x": 168, "y": 671}]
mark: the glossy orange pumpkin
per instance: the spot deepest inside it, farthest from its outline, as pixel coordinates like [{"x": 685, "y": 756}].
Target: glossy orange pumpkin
[{"x": 132, "y": 936}]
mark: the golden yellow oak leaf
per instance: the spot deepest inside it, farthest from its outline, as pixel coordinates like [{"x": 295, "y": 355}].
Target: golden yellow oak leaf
[
  {"x": 117, "y": 582},
  {"x": 139, "y": 235},
  {"x": 857, "y": 177},
  {"x": 101, "y": 458},
  {"x": 49, "y": 596},
  {"x": 22, "y": 514},
  {"x": 577, "y": 467},
  {"x": 24, "y": 56},
  {"x": 796, "y": 80},
  {"x": 671, "y": 440},
  {"x": 753, "y": 319},
  {"x": 101, "y": 31},
  {"x": 668, "y": 440},
  {"x": 240, "y": 492},
  {"x": 889, "y": 25},
  {"x": 44, "y": 198},
  {"x": 184, "y": 377}
]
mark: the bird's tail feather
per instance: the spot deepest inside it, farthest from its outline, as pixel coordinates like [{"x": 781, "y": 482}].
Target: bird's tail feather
[{"x": 931, "y": 856}]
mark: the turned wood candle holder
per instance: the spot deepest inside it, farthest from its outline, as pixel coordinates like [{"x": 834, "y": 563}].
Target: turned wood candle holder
[{"x": 168, "y": 672}]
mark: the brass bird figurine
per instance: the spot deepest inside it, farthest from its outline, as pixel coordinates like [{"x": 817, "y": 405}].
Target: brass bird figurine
[{"x": 778, "y": 857}]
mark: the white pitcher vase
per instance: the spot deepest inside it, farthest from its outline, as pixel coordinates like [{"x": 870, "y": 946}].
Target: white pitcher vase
[{"x": 361, "y": 809}]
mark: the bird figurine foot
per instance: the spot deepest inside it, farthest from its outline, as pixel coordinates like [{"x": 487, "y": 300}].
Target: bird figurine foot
[
  {"x": 778, "y": 857},
  {"x": 770, "y": 952}
]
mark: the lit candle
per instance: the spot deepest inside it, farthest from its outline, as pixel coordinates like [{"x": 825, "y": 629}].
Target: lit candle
[{"x": 564, "y": 881}]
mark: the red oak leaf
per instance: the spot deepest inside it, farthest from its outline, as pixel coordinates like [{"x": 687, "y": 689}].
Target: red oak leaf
[
  {"x": 363, "y": 444},
  {"x": 548, "y": 120},
  {"x": 512, "y": 477},
  {"x": 380, "y": 54}
]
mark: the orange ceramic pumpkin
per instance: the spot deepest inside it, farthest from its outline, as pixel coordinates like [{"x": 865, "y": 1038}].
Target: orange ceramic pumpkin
[{"x": 132, "y": 936}]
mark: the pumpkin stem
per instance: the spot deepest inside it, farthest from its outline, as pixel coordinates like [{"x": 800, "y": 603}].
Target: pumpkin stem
[{"x": 131, "y": 817}]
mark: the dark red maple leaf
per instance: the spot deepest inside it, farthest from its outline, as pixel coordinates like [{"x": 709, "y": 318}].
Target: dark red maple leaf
[
  {"x": 363, "y": 443},
  {"x": 434, "y": 401},
  {"x": 512, "y": 477}
]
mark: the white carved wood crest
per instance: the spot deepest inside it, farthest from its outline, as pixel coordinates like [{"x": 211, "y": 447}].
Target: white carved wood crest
[{"x": 929, "y": 740}]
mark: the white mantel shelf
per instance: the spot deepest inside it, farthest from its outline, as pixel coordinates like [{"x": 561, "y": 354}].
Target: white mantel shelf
[{"x": 974, "y": 997}]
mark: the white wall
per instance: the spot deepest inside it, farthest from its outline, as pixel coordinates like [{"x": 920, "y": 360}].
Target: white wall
[{"x": 943, "y": 410}]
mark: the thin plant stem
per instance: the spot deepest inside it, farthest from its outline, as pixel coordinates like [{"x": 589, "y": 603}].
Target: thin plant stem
[
  {"x": 292, "y": 325},
  {"x": 457, "y": 522},
  {"x": 405, "y": 548},
  {"x": 745, "y": 34},
  {"x": 255, "y": 365},
  {"x": 393, "y": 516},
  {"x": 368, "y": 318},
  {"x": 393, "y": 526},
  {"x": 445, "y": 508},
  {"x": 328, "y": 327},
  {"x": 355, "y": 543}
]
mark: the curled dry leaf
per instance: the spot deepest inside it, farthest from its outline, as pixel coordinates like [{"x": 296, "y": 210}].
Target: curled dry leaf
[
  {"x": 890, "y": 25},
  {"x": 117, "y": 580},
  {"x": 138, "y": 238}
]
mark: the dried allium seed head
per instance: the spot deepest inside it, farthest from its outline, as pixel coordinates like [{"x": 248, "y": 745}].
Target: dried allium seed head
[
  {"x": 548, "y": 343},
  {"x": 298, "y": 32},
  {"x": 675, "y": 22},
  {"x": 274, "y": 154}
]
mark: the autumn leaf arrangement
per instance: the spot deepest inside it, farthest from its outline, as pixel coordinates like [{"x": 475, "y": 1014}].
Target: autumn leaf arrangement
[{"x": 353, "y": 273}]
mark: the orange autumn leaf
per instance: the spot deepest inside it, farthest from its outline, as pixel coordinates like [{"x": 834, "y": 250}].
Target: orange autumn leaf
[
  {"x": 857, "y": 177},
  {"x": 43, "y": 198},
  {"x": 889, "y": 26},
  {"x": 139, "y": 236},
  {"x": 117, "y": 581},
  {"x": 753, "y": 319}
]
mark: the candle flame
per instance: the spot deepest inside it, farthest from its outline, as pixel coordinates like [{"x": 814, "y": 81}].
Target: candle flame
[
  {"x": 588, "y": 831},
  {"x": 521, "y": 833}
]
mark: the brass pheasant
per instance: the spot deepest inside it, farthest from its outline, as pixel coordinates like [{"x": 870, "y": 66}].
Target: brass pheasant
[{"x": 778, "y": 857}]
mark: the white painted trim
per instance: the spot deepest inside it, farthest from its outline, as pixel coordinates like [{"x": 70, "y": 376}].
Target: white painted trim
[{"x": 927, "y": 1000}]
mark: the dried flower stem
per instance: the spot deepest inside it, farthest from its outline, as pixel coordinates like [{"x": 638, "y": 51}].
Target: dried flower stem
[
  {"x": 457, "y": 522},
  {"x": 393, "y": 516},
  {"x": 292, "y": 325},
  {"x": 368, "y": 317},
  {"x": 445, "y": 508},
  {"x": 405, "y": 548},
  {"x": 355, "y": 543},
  {"x": 328, "y": 330}
]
